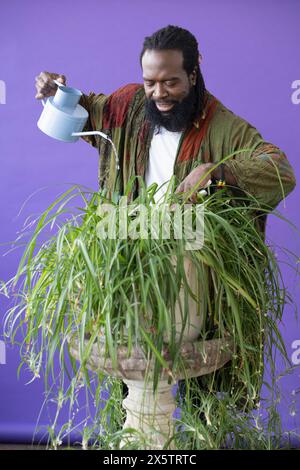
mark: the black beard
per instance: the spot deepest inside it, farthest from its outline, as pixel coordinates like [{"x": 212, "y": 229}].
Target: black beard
[{"x": 175, "y": 120}]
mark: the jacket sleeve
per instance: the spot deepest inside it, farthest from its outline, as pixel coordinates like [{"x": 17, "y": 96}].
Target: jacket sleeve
[
  {"x": 261, "y": 168},
  {"x": 108, "y": 112},
  {"x": 94, "y": 104}
]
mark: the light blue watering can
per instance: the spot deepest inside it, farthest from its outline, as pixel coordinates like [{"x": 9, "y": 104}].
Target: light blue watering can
[{"x": 63, "y": 118}]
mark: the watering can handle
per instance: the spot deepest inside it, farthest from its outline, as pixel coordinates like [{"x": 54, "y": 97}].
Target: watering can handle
[{"x": 59, "y": 84}]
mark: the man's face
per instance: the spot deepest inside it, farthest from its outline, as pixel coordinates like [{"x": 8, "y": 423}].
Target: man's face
[{"x": 169, "y": 90}]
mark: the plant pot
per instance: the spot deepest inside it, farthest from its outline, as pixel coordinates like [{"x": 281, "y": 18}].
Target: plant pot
[
  {"x": 150, "y": 409},
  {"x": 150, "y": 414}
]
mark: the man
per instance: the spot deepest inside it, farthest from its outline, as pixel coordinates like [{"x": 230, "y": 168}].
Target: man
[{"x": 173, "y": 125}]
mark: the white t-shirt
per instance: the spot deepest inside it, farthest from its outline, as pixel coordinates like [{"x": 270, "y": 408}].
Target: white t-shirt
[{"x": 162, "y": 154}]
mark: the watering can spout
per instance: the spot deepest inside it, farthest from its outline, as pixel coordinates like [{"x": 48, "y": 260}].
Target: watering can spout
[{"x": 82, "y": 134}]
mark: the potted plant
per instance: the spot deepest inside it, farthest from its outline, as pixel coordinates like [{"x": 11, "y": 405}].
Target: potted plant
[{"x": 77, "y": 290}]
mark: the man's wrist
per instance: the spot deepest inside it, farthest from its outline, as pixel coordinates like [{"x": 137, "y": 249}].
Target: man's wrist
[
  {"x": 218, "y": 174},
  {"x": 222, "y": 173}
]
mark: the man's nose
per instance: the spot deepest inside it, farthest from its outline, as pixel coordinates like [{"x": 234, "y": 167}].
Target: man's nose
[{"x": 159, "y": 92}]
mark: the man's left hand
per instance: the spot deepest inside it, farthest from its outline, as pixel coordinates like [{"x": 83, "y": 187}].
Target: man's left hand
[{"x": 192, "y": 180}]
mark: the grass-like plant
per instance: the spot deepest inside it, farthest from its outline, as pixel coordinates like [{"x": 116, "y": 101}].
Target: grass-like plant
[{"x": 73, "y": 282}]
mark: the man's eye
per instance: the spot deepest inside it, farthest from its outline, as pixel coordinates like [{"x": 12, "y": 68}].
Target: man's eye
[
  {"x": 149, "y": 83},
  {"x": 170, "y": 83}
]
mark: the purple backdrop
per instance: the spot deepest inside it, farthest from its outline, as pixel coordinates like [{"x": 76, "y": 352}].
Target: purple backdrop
[{"x": 250, "y": 62}]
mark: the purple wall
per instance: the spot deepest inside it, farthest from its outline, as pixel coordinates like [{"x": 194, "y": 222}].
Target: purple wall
[{"x": 250, "y": 60}]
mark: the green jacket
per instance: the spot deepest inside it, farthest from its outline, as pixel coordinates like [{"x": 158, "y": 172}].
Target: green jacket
[{"x": 262, "y": 169}]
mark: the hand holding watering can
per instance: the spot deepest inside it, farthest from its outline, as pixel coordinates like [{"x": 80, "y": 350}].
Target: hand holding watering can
[
  {"x": 45, "y": 84},
  {"x": 63, "y": 118}
]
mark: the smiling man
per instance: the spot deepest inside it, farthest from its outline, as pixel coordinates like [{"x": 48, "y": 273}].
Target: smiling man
[
  {"x": 172, "y": 125},
  {"x": 170, "y": 91},
  {"x": 171, "y": 106}
]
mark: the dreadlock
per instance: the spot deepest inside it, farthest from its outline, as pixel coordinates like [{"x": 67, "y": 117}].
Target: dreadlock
[{"x": 174, "y": 37}]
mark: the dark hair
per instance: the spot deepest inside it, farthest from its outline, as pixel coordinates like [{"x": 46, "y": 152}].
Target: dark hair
[{"x": 174, "y": 37}]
